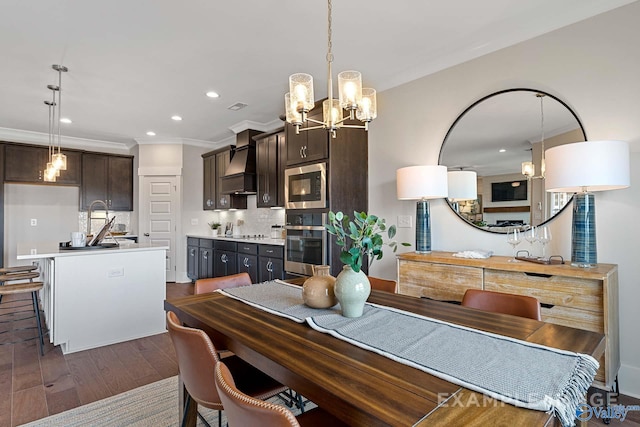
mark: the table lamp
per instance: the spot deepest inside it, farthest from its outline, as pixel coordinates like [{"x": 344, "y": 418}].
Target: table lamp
[
  {"x": 583, "y": 168},
  {"x": 462, "y": 185},
  {"x": 422, "y": 183}
]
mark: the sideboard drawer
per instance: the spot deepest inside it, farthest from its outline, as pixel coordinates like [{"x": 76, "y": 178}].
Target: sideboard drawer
[
  {"x": 575, "y": 292},
  {"x": 437, "y": 281}
]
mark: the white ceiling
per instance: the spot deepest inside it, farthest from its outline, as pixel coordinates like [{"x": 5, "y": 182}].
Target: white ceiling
[{"x": 135, "y": 63}]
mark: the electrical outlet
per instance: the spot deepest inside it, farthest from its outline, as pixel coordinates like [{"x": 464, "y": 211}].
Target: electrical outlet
[
  {"x": 404, "y": 221},
  {"x": 194, "y": 221},
  {"x": 116, "y": 272},
  {"x": 34, "y": 222}
]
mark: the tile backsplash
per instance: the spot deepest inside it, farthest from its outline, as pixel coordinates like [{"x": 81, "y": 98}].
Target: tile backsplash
[
  {"x": 254, "y": 221},
  {"x": 123, "y": 218}
]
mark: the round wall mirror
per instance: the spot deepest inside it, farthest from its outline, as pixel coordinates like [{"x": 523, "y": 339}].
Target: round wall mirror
[{"x": 502, "y": 138}]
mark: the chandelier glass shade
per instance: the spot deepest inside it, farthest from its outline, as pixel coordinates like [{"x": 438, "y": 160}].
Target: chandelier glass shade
[{"x": 359, "y": 102}]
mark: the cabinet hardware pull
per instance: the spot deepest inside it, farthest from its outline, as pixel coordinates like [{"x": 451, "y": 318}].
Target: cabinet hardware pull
[
  {"x": 301, "y": 155},
  {"x": 539, "y": 275}
]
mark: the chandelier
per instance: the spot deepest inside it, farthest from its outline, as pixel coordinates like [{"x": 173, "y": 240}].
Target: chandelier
[
  {"x": 529, "y": 168},
  {"x": 56, "y": 161},
  {"x": 359, "y": 102}
]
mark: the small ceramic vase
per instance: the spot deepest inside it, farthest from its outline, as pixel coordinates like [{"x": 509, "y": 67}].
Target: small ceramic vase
[
  {"x": 318, "y": 290},
  {"x": 352, "y": 290}
]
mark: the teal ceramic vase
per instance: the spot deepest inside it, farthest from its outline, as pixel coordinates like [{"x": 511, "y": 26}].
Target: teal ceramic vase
[{"x": 352, "y": 290}]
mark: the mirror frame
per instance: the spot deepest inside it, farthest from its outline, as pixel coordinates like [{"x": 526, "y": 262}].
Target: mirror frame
[{"x": 474, "y": 104}]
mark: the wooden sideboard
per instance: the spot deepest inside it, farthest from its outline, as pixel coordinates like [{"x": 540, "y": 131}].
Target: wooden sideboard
[{"x": 584, "y": 298}]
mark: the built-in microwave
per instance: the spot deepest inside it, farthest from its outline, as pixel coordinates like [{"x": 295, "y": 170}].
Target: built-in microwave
[{"x": 305, "y": 187}]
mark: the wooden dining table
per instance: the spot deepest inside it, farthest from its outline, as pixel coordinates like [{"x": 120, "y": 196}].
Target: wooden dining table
[{"x": 364, "y": 388}]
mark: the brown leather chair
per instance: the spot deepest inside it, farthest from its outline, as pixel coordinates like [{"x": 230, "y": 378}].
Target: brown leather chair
[
  {"x": 243, "y": 410},
  {"x": 383, "y": 285},
  {"x": 498, "y": 302},
  {"x": 197, "y": 358},
  {"x": 203, "y": 286}
]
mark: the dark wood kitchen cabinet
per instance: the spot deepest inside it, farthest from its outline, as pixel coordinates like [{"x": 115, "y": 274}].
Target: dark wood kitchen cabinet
[
  {"x": 307, "y": 146},
  {"x": 248, "y": 260},
  {"x": 26, "y": 164},
  {"x": 205, "y": 258},
  {"x": 193, "y": 257},
  {"x": 270, "y": 262},
  {"x": 108, "y": 178},
  {"x": 214, "y": 167},
  {"x": 225, "y": 259},
  {"x": 270, "y": 161}
]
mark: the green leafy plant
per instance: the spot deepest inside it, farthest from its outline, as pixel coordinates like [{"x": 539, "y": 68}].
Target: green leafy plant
[
  {"x": 215, "y": 225},
  {"x": 360, "y": 237}
]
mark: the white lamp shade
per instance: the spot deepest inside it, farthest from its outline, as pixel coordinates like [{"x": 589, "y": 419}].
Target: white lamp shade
[
  {"x": 463, "y": 185},
  {"x": 587, "y": 166},
  {"x": 421, "y": 182}
]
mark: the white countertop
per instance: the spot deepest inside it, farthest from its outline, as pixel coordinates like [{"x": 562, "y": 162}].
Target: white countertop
[
  {"x": 263, "y": 241},
  {"x": 52, "y": 250}
]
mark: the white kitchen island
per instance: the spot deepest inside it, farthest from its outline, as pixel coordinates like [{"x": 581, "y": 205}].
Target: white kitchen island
[{"x": 97, "y": 297}]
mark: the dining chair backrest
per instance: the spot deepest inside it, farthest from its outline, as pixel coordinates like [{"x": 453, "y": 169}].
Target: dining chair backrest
[
  {"x": 244, "y": 410},
  {"x": 498, "y": 302},
  {"x": 383, "y": 284},
  {"x": 211, "y": 284},
  {"x": 197, "y": 358}
]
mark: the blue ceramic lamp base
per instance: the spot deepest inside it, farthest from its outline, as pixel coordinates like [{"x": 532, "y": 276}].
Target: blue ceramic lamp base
[
  {"x": 423, "y": 227},
  {"x": 583, "y": 231}
]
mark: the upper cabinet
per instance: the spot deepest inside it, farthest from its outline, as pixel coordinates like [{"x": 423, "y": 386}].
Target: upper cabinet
[
  {"x": 26, "y": 163},
  {"x": 108, "y": 178},
  {"x": 306, "y": 146},
  {"x": 215, "y": 165},
  {"x": 270, "y": 161}
]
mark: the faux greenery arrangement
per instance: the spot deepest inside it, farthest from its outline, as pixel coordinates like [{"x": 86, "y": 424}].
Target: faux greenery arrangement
[
  {"x": 215, "y": 225},
  {"x": 360, "y": 237}
]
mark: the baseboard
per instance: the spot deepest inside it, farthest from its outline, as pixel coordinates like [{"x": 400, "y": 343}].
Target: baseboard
[{"x": 629, "y": 379}]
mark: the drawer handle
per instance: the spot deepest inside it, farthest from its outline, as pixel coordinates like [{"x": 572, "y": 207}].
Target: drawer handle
[
  {"x": 544, "y": 305},
  {"x": 538, "y": 275}
]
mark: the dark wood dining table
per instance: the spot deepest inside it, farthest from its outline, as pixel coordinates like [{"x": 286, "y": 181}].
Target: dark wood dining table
[{"x": 364, "y": 388}]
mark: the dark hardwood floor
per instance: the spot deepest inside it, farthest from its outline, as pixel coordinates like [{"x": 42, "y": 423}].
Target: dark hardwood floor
[{"x": 34, "y": 386}]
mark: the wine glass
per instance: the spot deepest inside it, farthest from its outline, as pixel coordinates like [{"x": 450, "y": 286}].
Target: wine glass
[
  {"x": 531, "y": 236},
  {"x": 544, "y": 237},
  {"x": 514, "y": 239}
]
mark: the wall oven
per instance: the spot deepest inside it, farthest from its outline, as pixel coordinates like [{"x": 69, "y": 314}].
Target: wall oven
[
  {"x": 305, "y": 243},
  {"x": 305, "y": 187}
]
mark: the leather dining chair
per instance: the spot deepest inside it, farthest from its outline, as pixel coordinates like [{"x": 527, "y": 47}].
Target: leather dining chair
[
  {"x": 498, "y": 302},
  {"x": 383, "y": 284},
  {"x": 197, "y": 359},
  {"x": 211, "y": 284},
  {"x": 246, "y": 411}
]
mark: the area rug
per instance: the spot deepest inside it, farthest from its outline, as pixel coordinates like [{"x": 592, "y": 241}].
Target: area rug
[{"x": 154, "y": 404}]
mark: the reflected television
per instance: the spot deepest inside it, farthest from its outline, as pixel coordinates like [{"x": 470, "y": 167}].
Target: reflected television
[{"x": 509, "y": 191}]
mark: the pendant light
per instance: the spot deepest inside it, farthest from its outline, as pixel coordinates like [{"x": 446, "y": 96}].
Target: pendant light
[
  {"x": 58, "y": 159},
  {"x": 358, "y": 101}
]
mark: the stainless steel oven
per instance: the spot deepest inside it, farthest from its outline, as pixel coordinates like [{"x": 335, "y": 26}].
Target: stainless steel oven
[
  {"x": 305, "y": 187},
  {"x": 305, "y": 242}
]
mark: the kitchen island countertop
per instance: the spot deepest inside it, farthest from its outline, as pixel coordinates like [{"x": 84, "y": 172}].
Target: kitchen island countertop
[{"x": 52, "y": 250}]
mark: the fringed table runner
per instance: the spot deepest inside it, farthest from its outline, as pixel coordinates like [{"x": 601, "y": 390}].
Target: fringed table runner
[{"x": 510, "y": 370}]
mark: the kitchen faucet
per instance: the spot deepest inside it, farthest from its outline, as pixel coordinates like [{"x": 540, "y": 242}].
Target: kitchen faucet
[{"x": 90, "y": 210}]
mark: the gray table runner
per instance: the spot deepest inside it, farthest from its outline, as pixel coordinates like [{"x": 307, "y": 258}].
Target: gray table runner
[{"x": 510, "y": 370}]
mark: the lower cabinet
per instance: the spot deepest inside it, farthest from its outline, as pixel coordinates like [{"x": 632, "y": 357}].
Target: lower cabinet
[
  {"x": 270, "y": 262},
  {"x": 225, "y": 259},
  {"x": 569, "y": 296},
  {"x": 216, "y": 257},
  {"x": 248, "y": 260}
]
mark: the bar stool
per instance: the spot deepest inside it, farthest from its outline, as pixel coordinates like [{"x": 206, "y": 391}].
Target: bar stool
[
  {"x": 16, "y": 269},
  {"x": 22, "y": 288}
]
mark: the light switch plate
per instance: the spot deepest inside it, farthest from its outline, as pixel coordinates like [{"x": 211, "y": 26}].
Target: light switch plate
[
  {"x": 404, "y": 221},
  {"x": 194, "y": 221},
  {"x": 34, "y": 222}
]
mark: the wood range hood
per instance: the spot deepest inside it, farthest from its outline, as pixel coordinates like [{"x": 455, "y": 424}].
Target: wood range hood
[{"x": 240, "y": 176}]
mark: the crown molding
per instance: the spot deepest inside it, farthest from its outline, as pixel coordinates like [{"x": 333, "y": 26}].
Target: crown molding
[
  {"x": 39, "y": 138},
  {"x": 262, "y": 127}
]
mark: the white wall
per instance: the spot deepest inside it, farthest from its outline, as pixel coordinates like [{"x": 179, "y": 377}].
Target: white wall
[{"x": 592, "y": 66}]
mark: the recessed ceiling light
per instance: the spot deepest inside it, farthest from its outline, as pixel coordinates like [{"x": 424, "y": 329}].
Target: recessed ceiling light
[
  {"x": 212, "y": 94},
  {"x": 65, "y": 120},
  {"x": 176, "y": 118},
  {"x": 502, "y": 150},
  {"x": 151, "y": 133}
]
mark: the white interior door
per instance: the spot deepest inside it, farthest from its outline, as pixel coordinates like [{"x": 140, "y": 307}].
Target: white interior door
[{"x": 158, "y": 216}]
